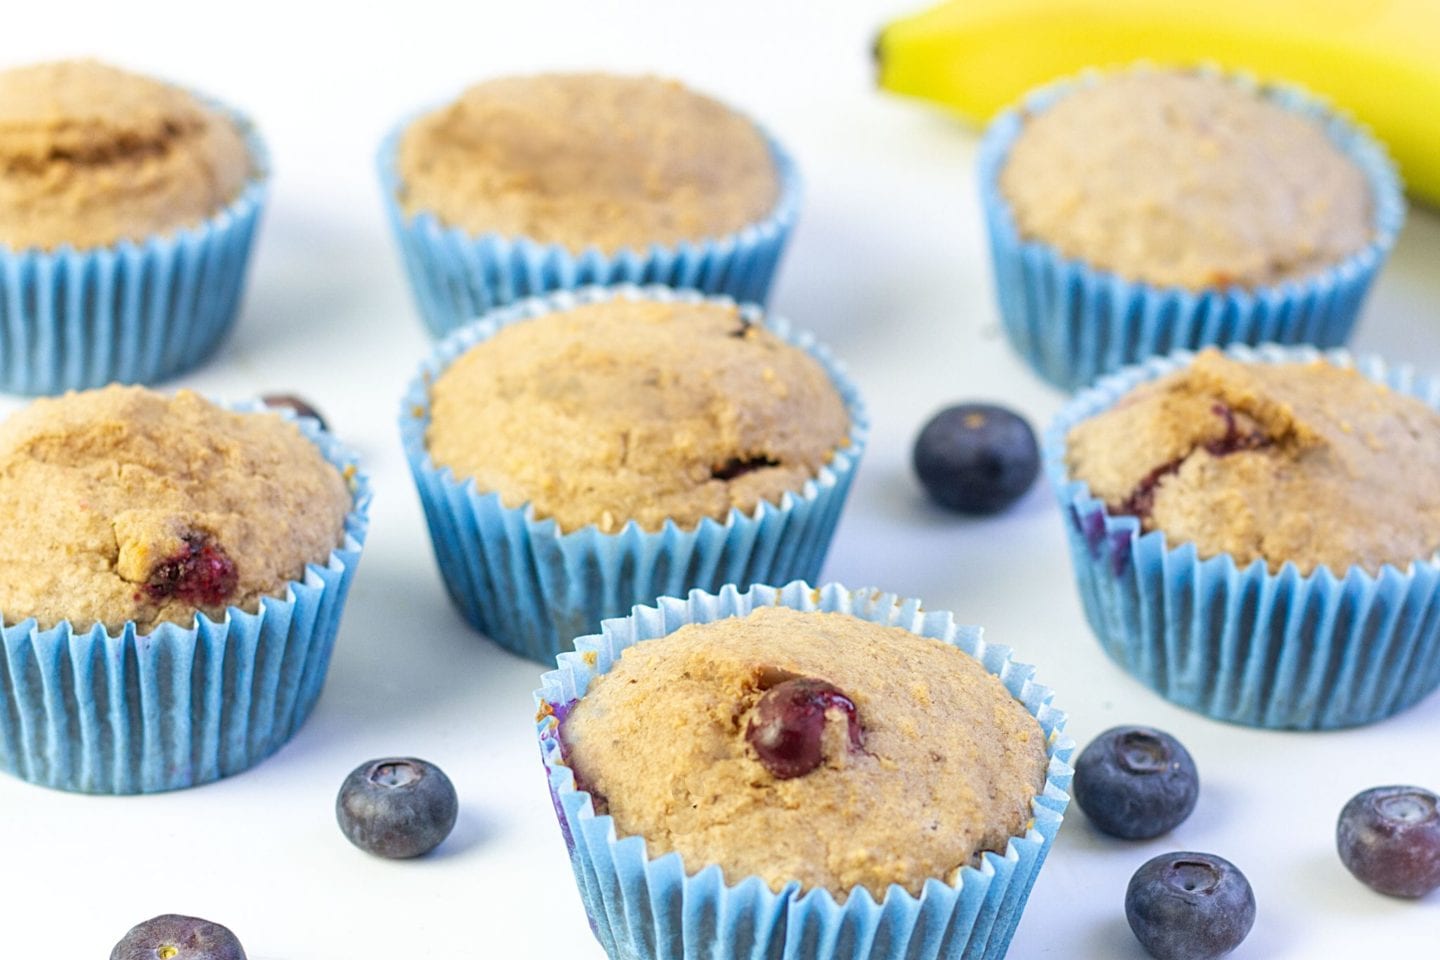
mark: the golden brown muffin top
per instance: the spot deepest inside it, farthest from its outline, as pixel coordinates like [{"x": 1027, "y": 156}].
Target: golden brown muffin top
[
  {"x": 586, "y": 160},
  {"x": 942, "y": 766},
  {"x": 90, "y": 155},
  {"x": 636, "y": 410},
  {"x": 1303, "y": 462},
  {"x": 1185, "y": 179},
  {"x": 124, "y": 504}
]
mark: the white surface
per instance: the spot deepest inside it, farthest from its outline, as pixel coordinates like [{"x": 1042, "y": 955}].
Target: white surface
[{"x": 888, "y": 265}]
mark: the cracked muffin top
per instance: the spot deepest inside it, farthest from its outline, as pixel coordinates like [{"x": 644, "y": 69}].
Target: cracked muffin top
[
  {"x": 90, "y": 155},
  {"x": 123, "y": 505},
  {"x": 586, "y": 160},
  {"x": 811, "y": 747},
  {"x": 1308, "y": 463},
  {"x": 1185, "y": 179},
  {"x": 636, "y": 410}
]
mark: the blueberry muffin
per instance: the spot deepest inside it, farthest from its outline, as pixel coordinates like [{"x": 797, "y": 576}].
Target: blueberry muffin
[
  {"x": 91, "y": 155},
  {"x": 125, "y": 506},
  {"x": 636, "y": 409},
  {"x": 1186, "y": 179},
  {"x": 1306, "y": 463},
  {"x": 808, "y": 746},
  {"x": 588, "y": 160}
]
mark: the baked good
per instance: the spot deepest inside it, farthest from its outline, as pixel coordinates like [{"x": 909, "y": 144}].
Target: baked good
[
  {"x": 1251, "y": 534},
  {"x": 91, "y": 155},
  {"x": 584, "y": 452},
  {"x": 128, "y": 208},
  {"x": 1187, "y": 179},
  {"x": 588, "y": 160},
  {"x": 1306, "y": 463},
  {"x": 922, "y": 761},
  {"x": 636, "y": 409},
  {"x": 122, "y": 506}
]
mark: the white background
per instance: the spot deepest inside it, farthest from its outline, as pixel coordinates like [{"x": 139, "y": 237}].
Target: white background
[{"x": 888, "y": 265}]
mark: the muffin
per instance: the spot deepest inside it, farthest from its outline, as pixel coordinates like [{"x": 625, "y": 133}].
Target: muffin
[
  {"x": 208, "y": 508},
  {"x": 193, "y": 561},
  {"x": 817, "y": 756},
  {"x": 525, "y": 185},
  {"x": 127, "y": 207},
  {"x": 1149, "y": 209},
  {"x": 579, "y": 454},
  {"x": 1221, "y": 454},
  {"x": 1229, "y": 543},
  {"x": 636, "y": 410},
  {"x": 95, "y": 155},
  {"x": 912, "y": 759},
  {"x": 588, "y": 160}
]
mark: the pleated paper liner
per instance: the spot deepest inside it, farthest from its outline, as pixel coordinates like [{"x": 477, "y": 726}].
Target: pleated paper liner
[
  {"x": 664, "y": 909},
  {"x": 1242, "y": 644},
  {"x": 533, "y": 589},
  {"x": 1073, "y": 323},
  {"x": 86, "y": 711}
]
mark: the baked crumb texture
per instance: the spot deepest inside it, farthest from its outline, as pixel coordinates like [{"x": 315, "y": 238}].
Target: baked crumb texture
[
  {"x": 635, "y": 409},
  {"x": 90, "y": 155},
  {"x": 1188, "y": 180},
  {"x": 588, "y": 160},
  {"x": 1307, "y": 463},
  {"x": 124, "y": 505},
  {"x": 947, "y": 769}
]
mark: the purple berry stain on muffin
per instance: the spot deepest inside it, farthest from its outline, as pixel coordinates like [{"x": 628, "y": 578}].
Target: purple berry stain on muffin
[
  {"x": 787, "y": 730},
  {"x": 1235, "y": 439},
  {"x": 201, "y": 573},
  {"x": 1141, "y": 500},
  {"x": 561, "y": 712},
  {"x": 1091, "y": 526},
  {"x": 1120, "y": 541}
]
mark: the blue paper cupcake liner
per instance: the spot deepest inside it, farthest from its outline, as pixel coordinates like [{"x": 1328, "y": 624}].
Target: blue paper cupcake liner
[
  {"x": 457, "y": 276},
  {"x": 92, "y": 712},
  {"x": 655, "y": 908},
  {"x": 1242, "y": 644},
  {"x": 533, "y": 589},
  {"x": 1073, "y": 323},
  {"x": 129, "y": 312}
]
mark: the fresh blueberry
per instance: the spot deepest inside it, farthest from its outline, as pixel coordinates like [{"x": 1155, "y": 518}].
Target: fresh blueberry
[
  {"x": 299, "y": 406},
  {"x": 173, "y": 937},
  {"x": 1189, "y": 906},
  {"x": 397, "y": 807},
  {"x": 976, "y": 457},
  {"x": 788, "y": 727},
  {"x": 1389, "y": 837},
  {"x": 1136, "y": 782}
]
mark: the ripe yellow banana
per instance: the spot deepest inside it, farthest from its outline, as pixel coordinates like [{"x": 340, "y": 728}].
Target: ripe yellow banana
[{"x": 1377, "y": 59}]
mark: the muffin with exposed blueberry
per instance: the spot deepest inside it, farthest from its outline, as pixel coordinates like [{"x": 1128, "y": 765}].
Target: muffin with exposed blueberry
[
  {"x": 1144, "y": 210},
  {"x": 627, "y": 444},
  {"x": 127, "y": 208},
  {"x": 554, "y": 181},
  {"x": 1223, "y": 510},
  {"x": 809, "y": 747},
  {"x": 823, "y": 763},
  {"x": 199, "y": 542}
]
